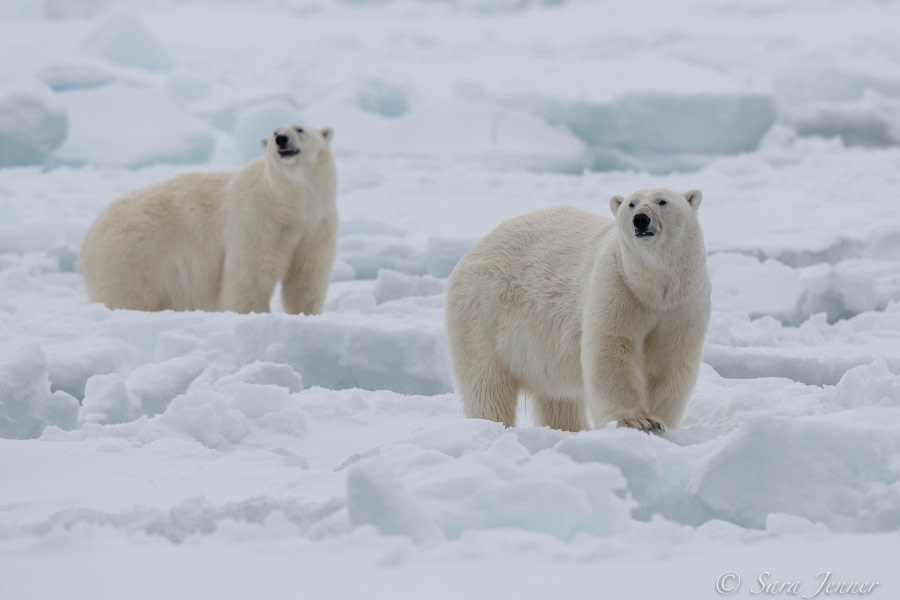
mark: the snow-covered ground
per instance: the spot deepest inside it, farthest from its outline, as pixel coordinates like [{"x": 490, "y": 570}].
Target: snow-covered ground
[{"x": 213, "y": 455}]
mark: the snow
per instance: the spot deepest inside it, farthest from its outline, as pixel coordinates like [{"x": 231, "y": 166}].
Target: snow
[{"x": 223, "y": 456}]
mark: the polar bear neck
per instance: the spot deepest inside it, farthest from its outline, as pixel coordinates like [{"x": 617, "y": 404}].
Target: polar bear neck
[
  {"x": 301, "y": 192},
  {"x": 665, "y": 277}
]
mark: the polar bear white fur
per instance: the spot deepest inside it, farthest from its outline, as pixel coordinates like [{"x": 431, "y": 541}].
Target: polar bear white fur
[
  {"x": 575, "y": 309},
  {"x": 221, "y": 241}
]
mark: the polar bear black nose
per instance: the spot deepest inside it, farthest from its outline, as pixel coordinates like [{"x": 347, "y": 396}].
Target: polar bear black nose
[
  {"x": 641, "y": 222},
  {"x": 281, "y": 140}
]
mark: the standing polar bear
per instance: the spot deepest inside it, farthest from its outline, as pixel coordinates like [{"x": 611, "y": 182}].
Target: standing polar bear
[
  {"x": 573, "y": 309},
  {"x": 221, "y": 241}
]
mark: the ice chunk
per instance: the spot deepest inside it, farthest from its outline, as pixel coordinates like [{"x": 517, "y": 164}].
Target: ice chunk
[
  {"x": 207, "y": 417},
  {"x": 782, "y": 524},
  {"x": 392, "y": 285},
  {"x": 868, "y": 385},
  {"x": 384, "y": 98},
  {"x": 367, "y": 254},
  {"x": 106, "y": 400},
  {"x": 119, "y": 125},
  {"x": 497, "y": 483},
  {"x": 32, "y": 126},
  {"x": 27, "y": 405},
  {"x": 847, "y": 289},
  {"x": 73, "y": 362},
  {"x": 873, "y": 120},
  {"x": 663, "y": 123},
  {"x": 76, "y": 76},
  {"x": 122, "y": 38},
  {"x": 376, "y": 497},
  {"x": 346, "y": 350},
  {"x": 661, "y": 113},
  {"x": 265, "y": 373},
  {"x": 155, "y": 385},
  {"x": 443, "y": 254},
  {"x": 768, "y": 467}
]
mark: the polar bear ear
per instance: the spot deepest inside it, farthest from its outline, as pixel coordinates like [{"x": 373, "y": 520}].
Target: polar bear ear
[
  {"x": 615, "y": 202},
  {"x": 327, "y": 134},
  {"x": 693, "y": 197},
  {"x": 263, "y": 143}
]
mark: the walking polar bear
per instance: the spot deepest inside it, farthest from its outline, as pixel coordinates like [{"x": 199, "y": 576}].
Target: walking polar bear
[
  {"x": 221, "y": 241},
  {"x": 574, "y": 309}
]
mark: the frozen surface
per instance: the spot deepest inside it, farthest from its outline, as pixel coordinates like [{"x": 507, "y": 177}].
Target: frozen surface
[{"x": 230, "y": 456}]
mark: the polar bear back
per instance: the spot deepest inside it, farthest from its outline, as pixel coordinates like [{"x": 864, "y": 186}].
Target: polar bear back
[{"x": 171, "y": 230}]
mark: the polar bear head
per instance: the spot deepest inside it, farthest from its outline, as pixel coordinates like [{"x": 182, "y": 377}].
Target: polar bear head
[
  {"x": 292, "y": 146},
  {"x": 655, "y": 218}
]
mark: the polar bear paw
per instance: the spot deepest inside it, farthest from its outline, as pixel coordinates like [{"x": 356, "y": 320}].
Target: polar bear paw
[{"x": 642, "y": 421}]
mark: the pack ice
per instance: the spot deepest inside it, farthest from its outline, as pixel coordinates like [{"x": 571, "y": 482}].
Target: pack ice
[{"x": 186, "y": 455}]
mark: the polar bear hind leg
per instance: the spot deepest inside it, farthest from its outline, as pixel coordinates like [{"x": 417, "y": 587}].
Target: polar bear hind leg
[
  {"x": 489, "y": 391},
  {"x": 567, "y": 415}
]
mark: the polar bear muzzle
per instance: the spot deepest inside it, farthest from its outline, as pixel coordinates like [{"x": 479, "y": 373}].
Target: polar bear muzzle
[
  {"x": 643, "y": 225},
  {"x": 286, "y": 146}
]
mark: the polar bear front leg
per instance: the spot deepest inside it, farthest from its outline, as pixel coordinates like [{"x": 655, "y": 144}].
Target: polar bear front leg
[
  {"x": 615, "y": 384},
  {"x": 246, "y": 287},
  {"x": 305, "y": 286},
  {"x": 673, "y": 353}
]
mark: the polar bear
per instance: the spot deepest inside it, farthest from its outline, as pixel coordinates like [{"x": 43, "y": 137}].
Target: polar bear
[
  {"x": 575, "y": 309},
  {"x": 221, "y": 241}
]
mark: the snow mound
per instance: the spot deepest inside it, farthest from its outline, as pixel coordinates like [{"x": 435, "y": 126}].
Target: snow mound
[
  {"x": 32, "y": 126},
  {"x": 122, "y": 39},
  {"x": 27, "y": 405},
  {"x": 119, "y": 125}
]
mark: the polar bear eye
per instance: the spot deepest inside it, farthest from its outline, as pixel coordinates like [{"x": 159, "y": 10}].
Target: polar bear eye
[
  {"x": 631, "y": 205},
  {"x": 299, "y": 130},
  {"x": 661, "y": 202}
]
